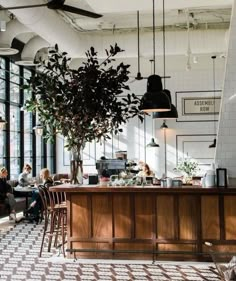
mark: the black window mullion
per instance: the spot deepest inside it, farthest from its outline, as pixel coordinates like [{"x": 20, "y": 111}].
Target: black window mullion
[
  {"x": 21, "y": 92},
  {"x": 33, "y": 145},
  {"x": 7, "y": 116},
  {"x": 54, "y": 156}
]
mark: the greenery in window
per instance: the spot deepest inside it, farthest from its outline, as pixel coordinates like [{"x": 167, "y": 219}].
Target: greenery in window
[{"x": 83, "y": 104}]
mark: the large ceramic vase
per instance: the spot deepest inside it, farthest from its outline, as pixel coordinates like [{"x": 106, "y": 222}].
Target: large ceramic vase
[{"x": 76, "y": 168}]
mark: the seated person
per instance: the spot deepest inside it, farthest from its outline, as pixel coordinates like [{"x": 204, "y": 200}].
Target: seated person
[
  {"x": 6, "y": 194},
  {"x": 23, "y": 177},
  {"x": 146, "y": 171},
  {"x": 36, "y": 204}
]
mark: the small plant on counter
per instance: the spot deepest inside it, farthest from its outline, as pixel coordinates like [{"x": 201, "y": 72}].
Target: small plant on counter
[{"x": 188, "y": 167}]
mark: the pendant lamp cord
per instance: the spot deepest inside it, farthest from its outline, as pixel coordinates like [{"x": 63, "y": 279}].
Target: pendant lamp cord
[
  {"x": 153, "y": 128},
  {"x": 138, "y": 42},
  {"x": 214, "y": 89},
  {"x": 165, "y": 153},
  {"x": 153, "y": 32},
  {"x": 164, "y": 42}
]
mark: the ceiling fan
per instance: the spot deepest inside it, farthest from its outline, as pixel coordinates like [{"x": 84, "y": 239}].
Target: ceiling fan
[{"x": 57, "y": 5}]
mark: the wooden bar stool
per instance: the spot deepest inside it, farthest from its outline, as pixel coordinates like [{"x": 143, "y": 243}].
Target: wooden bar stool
[{"x": 55, "y": 212}]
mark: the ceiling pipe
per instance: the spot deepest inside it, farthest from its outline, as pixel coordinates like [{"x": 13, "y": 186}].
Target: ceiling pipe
[{"x": 49, "y": 25}]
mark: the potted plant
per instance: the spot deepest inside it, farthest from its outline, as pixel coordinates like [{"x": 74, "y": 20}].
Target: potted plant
[
  {"x": 189, "y": 168},
  {"x": 83, "y": 104}
]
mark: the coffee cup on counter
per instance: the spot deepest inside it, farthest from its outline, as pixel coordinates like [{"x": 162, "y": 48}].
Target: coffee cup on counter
[{"x": 169, "y": 182}]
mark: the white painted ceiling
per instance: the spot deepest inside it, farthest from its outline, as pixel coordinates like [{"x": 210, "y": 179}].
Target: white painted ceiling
[
  {"x": 78, "y": 32},
  {"x": 123, "y": 13}
]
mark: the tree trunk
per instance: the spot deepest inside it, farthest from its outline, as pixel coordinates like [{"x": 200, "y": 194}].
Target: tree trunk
[{"x": 76, "y": 167}]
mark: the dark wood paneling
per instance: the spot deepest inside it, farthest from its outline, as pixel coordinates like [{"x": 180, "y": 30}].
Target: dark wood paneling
[
  {"x": 80, "y": 222},
  {"x": 122, "y": 216},
  {"x": 210, "y": 217},
  {"x": 165, "y": 217},
  {"x": 143, "y": 216},
  {"x": 187, "y": 217},
  {"x": 230, "y": 217},
  {"x": 102, "y": 215}
]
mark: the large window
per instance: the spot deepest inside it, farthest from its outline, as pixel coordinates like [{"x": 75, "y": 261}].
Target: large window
[{"x": 18, "y": 144}]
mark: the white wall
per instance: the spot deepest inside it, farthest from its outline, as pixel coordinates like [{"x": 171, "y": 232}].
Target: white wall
[{"x": 225, "y": 150}]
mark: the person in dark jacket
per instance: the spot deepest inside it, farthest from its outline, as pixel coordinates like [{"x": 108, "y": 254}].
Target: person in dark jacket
[
  {"x": 36, "y": 204},
  {"x": 6, "y": 194}
]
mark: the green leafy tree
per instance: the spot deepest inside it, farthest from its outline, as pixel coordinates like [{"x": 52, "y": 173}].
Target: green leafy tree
[{"x": 83, "y": 104}]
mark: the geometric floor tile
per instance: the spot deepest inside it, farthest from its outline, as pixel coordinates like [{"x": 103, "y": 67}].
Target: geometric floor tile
[{"x": 19, "y": 260}]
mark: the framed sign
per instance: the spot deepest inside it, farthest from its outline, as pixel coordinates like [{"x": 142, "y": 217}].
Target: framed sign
[
  {"x": 196, "y": 147},
  {"x": 198, "y": 105}
]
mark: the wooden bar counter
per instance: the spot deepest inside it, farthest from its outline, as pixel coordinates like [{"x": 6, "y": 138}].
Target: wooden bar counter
[{"x": 149, "y": 222}]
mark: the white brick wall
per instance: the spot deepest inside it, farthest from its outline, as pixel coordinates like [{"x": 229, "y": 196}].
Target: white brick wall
[{"x": 225, "y": 155}]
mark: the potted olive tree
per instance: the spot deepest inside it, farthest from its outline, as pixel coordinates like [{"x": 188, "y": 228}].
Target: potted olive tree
[{"x": 83, "y": 104}]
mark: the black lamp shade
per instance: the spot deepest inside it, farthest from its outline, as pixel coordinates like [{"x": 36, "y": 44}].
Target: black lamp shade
[
  {"x": 164, "y": 126},
  {"x": 213, "y": 144},
  {"x": 172, "y": 114},
  {"x": 155, "y": 99},
  {"x": 152, "y": 143}
]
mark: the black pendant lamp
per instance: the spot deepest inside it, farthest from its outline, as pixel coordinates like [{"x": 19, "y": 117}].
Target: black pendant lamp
[
  {"x": 172, "y": 114},
  {"x": 152, "y": 143},
  {"x": 213, "y": 145},
  {"x": 155, "y": 99},
  {"x": 164, "y": 126}
]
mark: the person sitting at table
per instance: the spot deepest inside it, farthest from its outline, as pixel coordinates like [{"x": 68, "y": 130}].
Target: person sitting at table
[
  {"x": 6, "y": 194},
  {"x": 36, "y": 204},
  {"x": 146, "y": 171},
  {"x": 23, "y": 177}
]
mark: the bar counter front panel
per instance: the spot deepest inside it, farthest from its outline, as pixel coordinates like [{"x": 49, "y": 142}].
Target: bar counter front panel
[{"x": 149, "y": 222}]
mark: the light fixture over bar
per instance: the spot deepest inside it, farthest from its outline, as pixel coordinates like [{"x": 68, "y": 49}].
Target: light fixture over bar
[
  {"x": 38, "y": 129},
  {"x": 155, "y": 99}
]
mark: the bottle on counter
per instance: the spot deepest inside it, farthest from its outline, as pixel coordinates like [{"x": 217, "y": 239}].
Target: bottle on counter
[{"x": 209, "y": 178}]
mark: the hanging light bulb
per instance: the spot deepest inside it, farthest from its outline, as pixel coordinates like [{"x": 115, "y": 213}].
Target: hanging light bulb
[
  {"x": 189, "y": 52},
  {"x": 152, "y": 143},
  {"x": 164, "y": 126},
  {"x": 195, "y": 59},
  {"x": 188, "y": 65},
  {"x": 38, "y": 129}
]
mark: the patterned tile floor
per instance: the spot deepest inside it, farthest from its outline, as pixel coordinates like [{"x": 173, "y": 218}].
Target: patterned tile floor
[{"x": 19, "y": 260}]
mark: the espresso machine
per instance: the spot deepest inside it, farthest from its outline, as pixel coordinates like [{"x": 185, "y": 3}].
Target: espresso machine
[{"x": 111, "y": 166}]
